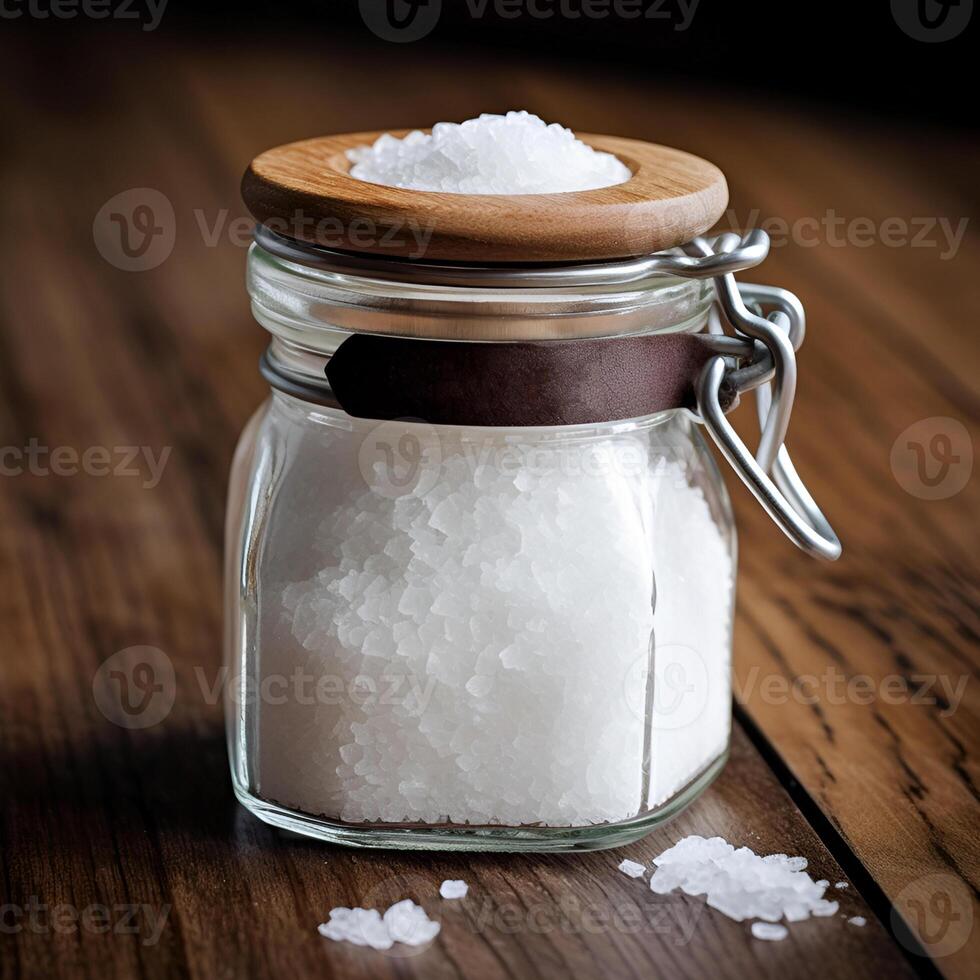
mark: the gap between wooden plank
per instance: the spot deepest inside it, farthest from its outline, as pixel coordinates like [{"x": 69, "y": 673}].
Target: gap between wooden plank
[{"x": 833, "y": 840}]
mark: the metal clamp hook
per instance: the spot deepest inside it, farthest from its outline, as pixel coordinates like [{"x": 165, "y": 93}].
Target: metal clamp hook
[{"x": 783, "y": 496}]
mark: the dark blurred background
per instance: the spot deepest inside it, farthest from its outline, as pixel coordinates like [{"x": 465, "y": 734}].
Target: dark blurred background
[{"x": 909, "y": 59}]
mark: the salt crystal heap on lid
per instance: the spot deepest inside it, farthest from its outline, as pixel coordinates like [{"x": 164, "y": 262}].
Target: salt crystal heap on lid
[{"x": 513, "y": 154}]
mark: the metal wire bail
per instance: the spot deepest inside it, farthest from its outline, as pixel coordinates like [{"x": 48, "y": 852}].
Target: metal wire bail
[{"x": 769, "y": 473}]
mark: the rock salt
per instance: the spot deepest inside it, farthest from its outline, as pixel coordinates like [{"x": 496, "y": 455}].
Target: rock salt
[
  {"x": 740, "y": 883},
  {"x": 512, "y": 154},
  {"x": 509, "y": 651},
  {"x": 858, "y": 920},
  {"x": 362, "y": 927},
  {"x": 453, "y": 888},
  {"x": 767, "y": 930},
  {"x": 632, "y": 868},
  {"x": 405, "y": 922}
]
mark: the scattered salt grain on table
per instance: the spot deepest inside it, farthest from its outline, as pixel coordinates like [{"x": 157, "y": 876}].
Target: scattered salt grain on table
[
  {"x": 513, "y": 154},
  {"x": 857, "y": 920},
  {"x": 766, "y": 930},
  {"x": 740, "y": 883},
  {"x": 362, "y": 927},
  {"x": 405, "y": 922},
  {"x": 453, "y": 888},
  {"x": 632, "y": 869},
  {"x": 840, "y": 885}
]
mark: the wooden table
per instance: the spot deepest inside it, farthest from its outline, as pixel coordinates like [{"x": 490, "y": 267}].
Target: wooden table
[{"x": 875, "y": 784}]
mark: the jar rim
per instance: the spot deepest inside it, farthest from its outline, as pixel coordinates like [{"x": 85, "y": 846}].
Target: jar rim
[
  {"x": 491, "y": 275},
  {"x": 314, "y": 297}
]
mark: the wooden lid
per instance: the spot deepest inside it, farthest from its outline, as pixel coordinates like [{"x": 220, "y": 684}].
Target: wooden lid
[{"x": 304, "y": 191}]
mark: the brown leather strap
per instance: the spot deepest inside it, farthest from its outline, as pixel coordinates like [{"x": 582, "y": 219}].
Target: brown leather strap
[{"x": 560, "y": 382}]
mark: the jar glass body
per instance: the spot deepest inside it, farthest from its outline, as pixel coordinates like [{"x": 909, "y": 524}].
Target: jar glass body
[{"x": 470, "y": 637}]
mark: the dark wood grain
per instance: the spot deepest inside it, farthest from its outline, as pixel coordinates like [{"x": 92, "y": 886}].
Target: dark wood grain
[{"x": 94, "y": 814}]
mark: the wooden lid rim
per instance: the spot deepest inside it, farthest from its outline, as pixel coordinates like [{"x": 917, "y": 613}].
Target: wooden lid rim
[{"x": 304, "y": 190}]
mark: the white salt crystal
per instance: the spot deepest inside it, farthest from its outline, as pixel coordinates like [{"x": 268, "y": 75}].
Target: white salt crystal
[
  {"x": 740, "y": 883},
  {"x": 824, "y": 908},
  {"x": 362, "y": 927},
  {"x": 766, "y": 930},
  {"x": 522, "y": 633},
  {"x": 453, "y": 888},
  {"x": 632, "y": 868},
  {"x": 858, "y": 920},
  {"x": 405, "y": 922},
  {"x": 841, "y": 884},
  {"x": 479, "y": 685},
  {"x": 513, "y": 154},
  {"x": 692, "y": 623}
]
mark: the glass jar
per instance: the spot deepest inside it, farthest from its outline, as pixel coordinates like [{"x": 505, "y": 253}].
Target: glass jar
[{"x": 471, "y": 637}]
